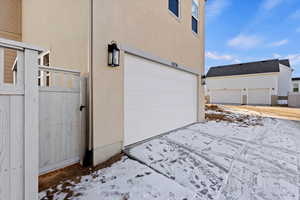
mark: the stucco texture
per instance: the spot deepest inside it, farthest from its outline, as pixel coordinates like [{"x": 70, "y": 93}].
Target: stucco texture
[
  {"x": 62, "y": 27},
  {"x": 10, "y": 28},
  {"x": 65, "y": 27},
  {"x": 148, "y": 26}
]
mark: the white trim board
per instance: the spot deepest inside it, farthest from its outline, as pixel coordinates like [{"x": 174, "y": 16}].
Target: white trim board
[
  {"x": 159, "y": 60},
  {"x": 244, "y": 75},
  {"x": 19, "y": 45}
]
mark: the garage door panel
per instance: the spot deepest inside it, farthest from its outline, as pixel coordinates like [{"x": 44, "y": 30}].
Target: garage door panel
[
  {"x": 226, "y": 96},
  {"x": 259, "y": 97},
  {"x": 157, "y": 99}
]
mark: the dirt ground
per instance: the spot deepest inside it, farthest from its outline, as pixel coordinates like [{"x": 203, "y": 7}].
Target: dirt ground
[
  {"x": 274, "y": 112},
  {"x": 218, "y": 114},
  {"x": 74, "y": 172}
]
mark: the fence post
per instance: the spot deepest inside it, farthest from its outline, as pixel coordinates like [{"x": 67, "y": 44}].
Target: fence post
[{"x": 31, "y": 136}]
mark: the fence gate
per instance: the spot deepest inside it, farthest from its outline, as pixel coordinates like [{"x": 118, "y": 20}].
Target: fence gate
[{"x": 61, "y": 134}]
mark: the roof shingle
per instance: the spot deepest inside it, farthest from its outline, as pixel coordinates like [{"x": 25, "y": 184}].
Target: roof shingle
[{"x": 266, "y": 66}]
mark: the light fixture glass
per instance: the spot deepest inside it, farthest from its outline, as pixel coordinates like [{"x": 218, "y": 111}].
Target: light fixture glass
[{"x": 113, "y": 55}]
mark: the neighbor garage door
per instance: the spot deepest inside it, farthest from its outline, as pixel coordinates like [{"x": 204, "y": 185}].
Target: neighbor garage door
[
  {"x": 259, "y": 97},
  {"x": 226, "y": 96},
  {"x": 157, "y": 99}
]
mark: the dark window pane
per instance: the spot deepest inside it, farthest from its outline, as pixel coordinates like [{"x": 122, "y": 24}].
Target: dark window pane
[
  {"x": 48, "y": 80},
  {"x": 46, "y": 60},
  {"x": 194, "y": 25},
  {"x": 174, "y": 7}
]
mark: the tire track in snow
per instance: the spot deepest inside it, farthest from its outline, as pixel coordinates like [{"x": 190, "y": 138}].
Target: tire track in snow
[{"x": 236, "y": 156}]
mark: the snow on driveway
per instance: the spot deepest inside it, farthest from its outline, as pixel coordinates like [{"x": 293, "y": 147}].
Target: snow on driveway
[
  {"x": 216, "y": 160},
  {"x": 126, "y": 179},
  {"x": 226, "y": 161}
]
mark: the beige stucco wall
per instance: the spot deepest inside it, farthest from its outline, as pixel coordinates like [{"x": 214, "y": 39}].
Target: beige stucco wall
[
  {"x": 61, "y": 26},
  {"x": 10, "y": 18},
  {"x": 10, "y": 28},
  {"x": 147, "y": 26}
]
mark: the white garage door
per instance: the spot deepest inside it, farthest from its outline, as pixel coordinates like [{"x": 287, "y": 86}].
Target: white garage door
[
  {"x": 259, "y": 97},
  {"x": 226, "y": 96},
  {"x": 157, "y": 99}
]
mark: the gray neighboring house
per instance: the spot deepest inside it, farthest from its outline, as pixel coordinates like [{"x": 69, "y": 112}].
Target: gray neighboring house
[{"x": 266, "y": 82}]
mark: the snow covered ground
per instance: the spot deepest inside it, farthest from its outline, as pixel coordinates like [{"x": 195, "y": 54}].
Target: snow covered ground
[
  {"x": 244, "y": 157},
  {"x": 127, "y": 179}
]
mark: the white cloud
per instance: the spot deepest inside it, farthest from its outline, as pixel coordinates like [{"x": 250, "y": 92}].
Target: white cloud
[
  {"x": 245, "y": 41},
  {"x": 279, "y": 43},
  {"x": 216, "y": 56},
  {"x": 222, "y": 57},
  {"x": 276, "y": 55},
  {"x": 270, "y": 4},
  {"x": 295, "y": 62},
  {"x": 295, "y": 15},
  {"x": 294, "y": 59},
  {"x": 237, "y": 61},
  {"x": 216, "y": 7}
]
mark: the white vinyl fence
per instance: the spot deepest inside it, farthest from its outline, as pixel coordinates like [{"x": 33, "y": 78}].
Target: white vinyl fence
[
  {"x": 42, "y": 125},
  {"x": 61, "y": 124},
  {"x": 294, "y": 100},
  {"x": 19, "y": 109}
]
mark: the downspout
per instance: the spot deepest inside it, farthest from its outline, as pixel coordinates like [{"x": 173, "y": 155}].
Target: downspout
[{"x": 88, "y": 158}]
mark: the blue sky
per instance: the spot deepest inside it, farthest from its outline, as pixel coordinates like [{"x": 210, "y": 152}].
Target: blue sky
[{"x": 250, "y": 30}]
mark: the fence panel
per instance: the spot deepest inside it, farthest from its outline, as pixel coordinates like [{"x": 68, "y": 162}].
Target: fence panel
[
  {"x": 294, "y": 100},
  {"x": 19, "y": 124},
  {"x": 11, "y": 147},
  {"x": 60, "y": 122},
  {"x": 11, "y": 136}
]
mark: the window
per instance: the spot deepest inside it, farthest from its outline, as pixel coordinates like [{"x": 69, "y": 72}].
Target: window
[
  {"x": 44, "y": 77},
  {"x": 195, "y": 15},
  {"x": 174, "y": 7},
  {"x": 39, "y": 78},
  {"x": 46, "y": 60},
  {"x": 295, "y": 87}
]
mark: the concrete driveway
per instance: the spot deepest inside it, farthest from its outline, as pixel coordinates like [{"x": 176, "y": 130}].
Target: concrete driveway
[
  {"x": 227, "y": 161},
  {"x": 232, "y": 156}
]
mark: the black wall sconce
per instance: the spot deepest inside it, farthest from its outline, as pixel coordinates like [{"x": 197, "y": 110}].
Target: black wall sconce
[{"x": 113, "y": 55}]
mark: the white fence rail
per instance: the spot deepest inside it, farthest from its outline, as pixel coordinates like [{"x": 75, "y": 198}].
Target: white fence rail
[
  {"x": 61, "y": 135},
  {"x": 19, "y": 125}
]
